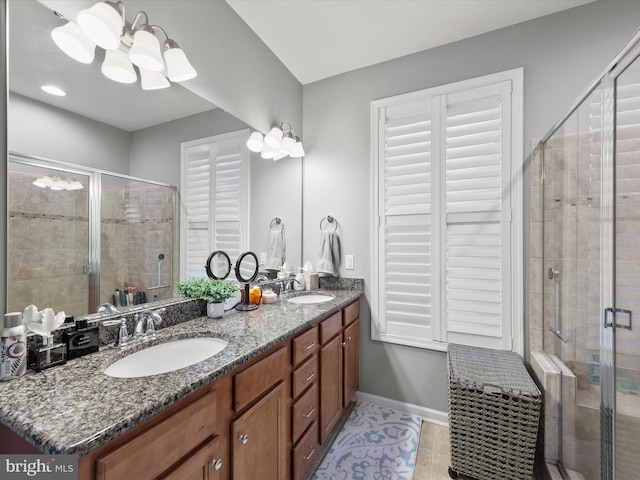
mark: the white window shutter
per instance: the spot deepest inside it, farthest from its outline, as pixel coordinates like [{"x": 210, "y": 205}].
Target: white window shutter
[
  {"x": 214, "y": 189},
  {"x": 446, "y": 182},
  {"x": 405, "y": 226},
  {"x": 476, "y": 274}
]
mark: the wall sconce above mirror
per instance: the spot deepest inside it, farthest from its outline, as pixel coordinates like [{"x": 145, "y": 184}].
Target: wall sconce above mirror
[
  {"x": 281, "y": 141},
  {"x": 126, "y": 45}
]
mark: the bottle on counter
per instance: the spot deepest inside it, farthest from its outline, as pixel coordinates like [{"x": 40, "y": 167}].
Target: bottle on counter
[
  {"x": 299, "y": 284},
  {"x": 13, "y": 347}
]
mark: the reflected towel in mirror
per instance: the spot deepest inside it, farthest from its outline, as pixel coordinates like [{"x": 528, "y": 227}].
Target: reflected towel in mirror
[{"x": 276, "y": 249}]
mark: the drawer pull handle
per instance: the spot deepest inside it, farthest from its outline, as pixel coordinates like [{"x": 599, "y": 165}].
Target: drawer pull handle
[
  {"x": 349, "y": 338},
  {"x": 310, "y": 346},
  {"x": 313, "y": 374},
  {"x": 311, "y": 412},
  {"x": 244, "y": 439},
  {"x": 344, "y": 344},
  {"x": 216, "y": 464},
  {"x": 307, "y": 457}
]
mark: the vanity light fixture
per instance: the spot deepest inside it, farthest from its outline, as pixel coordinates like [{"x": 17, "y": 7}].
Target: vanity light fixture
[
  {"x": 53, "y": 90},
  {"x": 280, "y": 142},
  {"x": 126, "y": 45},
  {"x": 56, "y": 183}
]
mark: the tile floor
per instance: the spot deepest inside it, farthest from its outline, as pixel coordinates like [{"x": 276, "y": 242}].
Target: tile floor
[{"x": 433, "y": 453}]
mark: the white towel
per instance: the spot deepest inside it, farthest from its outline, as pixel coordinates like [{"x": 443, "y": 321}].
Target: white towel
[
  {"x": 276, "y": 249},
  {"x": 329, "y": 254}
]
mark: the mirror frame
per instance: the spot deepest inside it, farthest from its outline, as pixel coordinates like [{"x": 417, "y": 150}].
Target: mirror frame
[{"x": 4, "y": 85}]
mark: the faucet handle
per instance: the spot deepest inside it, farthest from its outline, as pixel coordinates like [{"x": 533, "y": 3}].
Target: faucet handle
[{"x": 123, "y": 334}]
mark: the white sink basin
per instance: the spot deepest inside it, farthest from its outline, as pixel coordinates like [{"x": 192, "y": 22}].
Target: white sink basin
[
  {"x": 307, "y": 299},
  {"x": 166, "y": 357}
]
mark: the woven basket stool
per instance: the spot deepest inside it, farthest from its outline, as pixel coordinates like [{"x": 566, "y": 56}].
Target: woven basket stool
[{"x": 494, "y": 410}]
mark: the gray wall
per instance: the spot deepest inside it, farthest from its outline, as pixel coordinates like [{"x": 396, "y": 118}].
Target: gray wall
[
  {"x": 41, "y": 130},
  {"x": 561, "y": 54}
]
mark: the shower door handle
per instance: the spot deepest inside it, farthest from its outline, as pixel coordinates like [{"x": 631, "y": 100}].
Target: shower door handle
[{"x": 609, "y": 312}]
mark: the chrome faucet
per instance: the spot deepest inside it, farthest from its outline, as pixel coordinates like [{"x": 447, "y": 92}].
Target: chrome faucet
[
  {"x": 107, "y": 309},
  {"x": 146, "y": 323},
  {"x": 286, "y": 285}
]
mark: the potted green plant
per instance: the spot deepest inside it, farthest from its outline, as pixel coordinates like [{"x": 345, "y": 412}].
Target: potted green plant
[{"x": 215, "y": 292}]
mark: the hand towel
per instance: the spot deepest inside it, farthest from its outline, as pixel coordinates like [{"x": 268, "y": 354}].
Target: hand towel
[
  {"x": 276, "y": 249},
  {"x": 329, "y": 254}
]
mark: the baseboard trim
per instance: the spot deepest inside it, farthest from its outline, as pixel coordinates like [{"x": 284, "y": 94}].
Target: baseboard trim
[{"x": 427, "y": 414}]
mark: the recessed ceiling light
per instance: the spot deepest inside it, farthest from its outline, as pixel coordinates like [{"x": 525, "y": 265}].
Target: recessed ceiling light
[{"x": 50, "y": 89}]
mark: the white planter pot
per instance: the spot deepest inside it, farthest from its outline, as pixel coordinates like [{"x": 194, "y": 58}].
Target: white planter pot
[{"x": 215, "y": 310}]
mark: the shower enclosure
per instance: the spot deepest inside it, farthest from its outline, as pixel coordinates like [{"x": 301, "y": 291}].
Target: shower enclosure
[
  {"x": 77, "y": 235},
  {"x": 590, "y": 181}
]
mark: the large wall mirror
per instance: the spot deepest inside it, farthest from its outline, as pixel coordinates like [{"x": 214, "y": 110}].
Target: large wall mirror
[{"x": 123, "y": 144}]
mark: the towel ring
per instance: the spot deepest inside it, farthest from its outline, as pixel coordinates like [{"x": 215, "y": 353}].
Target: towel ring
[
  {"x": 329, "y": 219},
  {"x": 276, "y": 221}
]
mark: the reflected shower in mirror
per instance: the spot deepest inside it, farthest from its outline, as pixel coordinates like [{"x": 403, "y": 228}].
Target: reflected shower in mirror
[{"x": 118, "y": 130}]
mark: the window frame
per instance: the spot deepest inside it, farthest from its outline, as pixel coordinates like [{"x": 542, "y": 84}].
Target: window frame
[{"x": 515, "y": 216}]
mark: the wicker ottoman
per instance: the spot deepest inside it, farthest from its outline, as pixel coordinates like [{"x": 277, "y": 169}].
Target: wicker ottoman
[{"x": 494, "y": 410}]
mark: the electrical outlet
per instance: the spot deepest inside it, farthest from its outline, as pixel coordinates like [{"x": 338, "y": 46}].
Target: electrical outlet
[
  {"x": 263, "y": 258},
  {"x": 349, "y": 261}
]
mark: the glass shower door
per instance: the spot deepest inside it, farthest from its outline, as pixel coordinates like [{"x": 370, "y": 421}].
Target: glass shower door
[
  {"x": 48, "y": 237},
  {"x": 625, "y": 324}
]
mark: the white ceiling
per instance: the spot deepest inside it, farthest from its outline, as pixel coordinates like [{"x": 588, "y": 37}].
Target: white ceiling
[{"x": 316, "y": 39}]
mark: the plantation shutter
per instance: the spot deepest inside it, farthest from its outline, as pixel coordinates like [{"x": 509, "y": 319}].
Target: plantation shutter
[
  {"x": 405, "y": 230},
  {"x": 214, "y": 192},
  {"x": 446, "y": 181},
  {"x": 477, "y": 216}
]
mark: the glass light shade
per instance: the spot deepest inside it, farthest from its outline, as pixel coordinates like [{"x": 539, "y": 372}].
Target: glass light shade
[
  {"x": 103, "y": 24},
  {"x": 268, "y": 152},
  {"x": 117, "y": 67},
  {"x": 287, "y": 145},
  {"x": 72, "y": 41},
  {"x": 273, "y": 138},
  {"x": 297, "y": 151},
  {"x": 41, "y": 182},
  {"x": 145, "y": 51},
  {"x": 255, "y": 142},
  {"x": 153, "y": 80},
  {"x": 178, "y": 67},
  {"x": 279, "y": 155}
]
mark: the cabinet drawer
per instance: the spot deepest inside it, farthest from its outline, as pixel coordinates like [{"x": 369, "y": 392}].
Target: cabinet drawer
[
  {"x": 305, "y": 452},
  {"x": 304, "y": 411},
  {"x": 305, "y": 345},
  {"x": 305, "y": 375},
  {"x": 330, "y": 327},
  {"x": 258, "y": 378},
  {"x": 154, "y": 451},
  {"x": 351, "y": 312}
]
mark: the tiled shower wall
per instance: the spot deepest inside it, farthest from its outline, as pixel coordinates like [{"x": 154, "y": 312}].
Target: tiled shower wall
[{"x": 48, "y": 244}]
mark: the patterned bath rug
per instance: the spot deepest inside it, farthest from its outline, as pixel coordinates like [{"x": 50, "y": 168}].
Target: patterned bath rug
[{"x": 375, "y": 443}]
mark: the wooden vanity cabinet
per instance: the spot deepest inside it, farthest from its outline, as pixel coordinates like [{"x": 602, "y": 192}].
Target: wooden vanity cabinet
[
  {"x": 182, "y": 442},
  {"x": 339, "y": 365},
  {"x": 258, "y": 432},
  {"x": 305, "y": 408}
]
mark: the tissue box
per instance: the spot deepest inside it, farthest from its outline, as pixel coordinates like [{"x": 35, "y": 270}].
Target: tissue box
[{"x": 311, "y": 281}]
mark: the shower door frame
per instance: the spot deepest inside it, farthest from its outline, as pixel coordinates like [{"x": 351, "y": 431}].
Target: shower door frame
[
  {"x": 93, "y": 268},
  {"x": 607, "y": 81}
]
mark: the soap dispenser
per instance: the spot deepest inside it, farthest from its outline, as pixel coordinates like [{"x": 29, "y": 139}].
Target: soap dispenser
[{"x": 298, "y": 285}]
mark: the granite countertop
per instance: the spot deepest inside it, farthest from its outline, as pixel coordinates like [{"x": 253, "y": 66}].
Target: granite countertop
[{"x": 75, "y": 408}]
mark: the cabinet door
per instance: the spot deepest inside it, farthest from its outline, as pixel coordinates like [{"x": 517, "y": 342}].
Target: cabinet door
[
  {"x": 259, "y": 439},
  {"x": 204, "y": 464},
  {"x": 351, "y": 361},
  {"x": 330, "y": 386}
]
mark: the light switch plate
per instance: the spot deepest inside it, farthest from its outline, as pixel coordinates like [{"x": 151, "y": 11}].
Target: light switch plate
[
  {"x": 349, "y": 262},
  {"x": 263, "y": 258}
]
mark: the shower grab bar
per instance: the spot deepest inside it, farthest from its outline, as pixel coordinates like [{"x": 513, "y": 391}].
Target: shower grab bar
[
  {"x": 557, "y": 331},
  {"x": 158, "y": 286}
]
